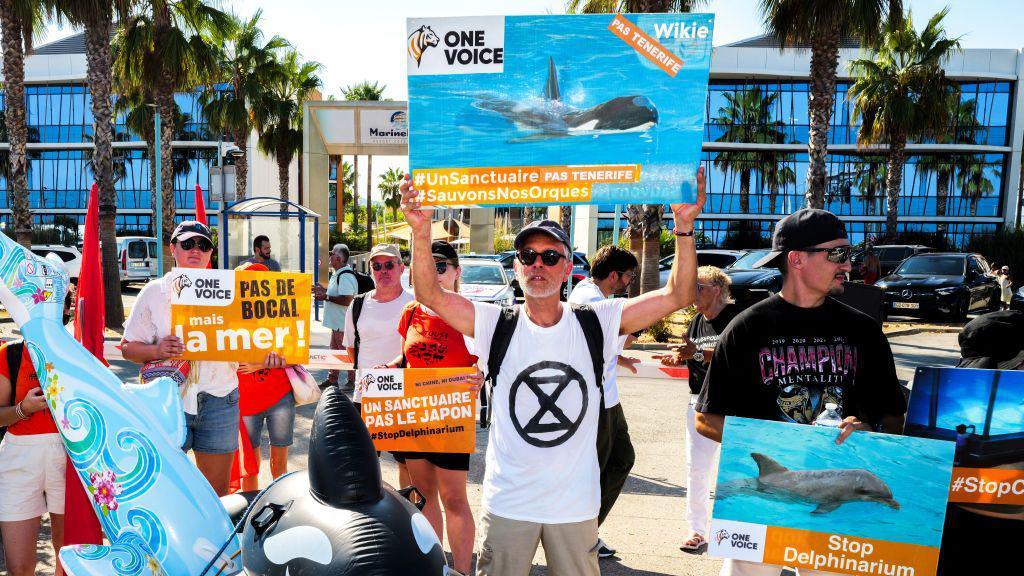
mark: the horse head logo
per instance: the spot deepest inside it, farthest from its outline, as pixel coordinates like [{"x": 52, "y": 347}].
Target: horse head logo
[
  {"x": 180, "y": 283},
  {"x": 421, "y": 39},
  {"x": 721, "y": 535}
]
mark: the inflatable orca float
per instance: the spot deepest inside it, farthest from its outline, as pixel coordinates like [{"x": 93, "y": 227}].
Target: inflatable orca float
[
  {"x": 338, "y": 519},
  {"x": 552, "y": 118}
]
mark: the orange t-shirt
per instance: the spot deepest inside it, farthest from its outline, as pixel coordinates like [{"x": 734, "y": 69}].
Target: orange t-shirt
[
  {"x": 429, "y": 342},
  {"x": 261, "y": 390},
  {"x": 38, "y": 423}
]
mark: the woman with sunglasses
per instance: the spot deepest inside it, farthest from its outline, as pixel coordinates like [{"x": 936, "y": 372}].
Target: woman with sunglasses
[
  {"x": 429, "y": 342},
  {"x": 209, "y": 390}
]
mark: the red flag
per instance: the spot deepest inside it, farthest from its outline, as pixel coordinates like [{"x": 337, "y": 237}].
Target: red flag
[
  {"x": 80, "y": 523},
  {"x": 200, "y": 206}
]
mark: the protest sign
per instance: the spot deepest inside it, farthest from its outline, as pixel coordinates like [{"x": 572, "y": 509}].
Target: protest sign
[
  {"x": 419, "y": 409},
  {"x": 981, "y": 411},
  {"x": 557, "y": 109},
  {"x": 240, "y": 316},
  {"x": 788, "y": 495}
]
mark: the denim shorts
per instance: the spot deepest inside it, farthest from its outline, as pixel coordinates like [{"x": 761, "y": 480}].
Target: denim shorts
[
  {"x": 280, "y": 419},
  {"x": 214, "y": 428}
]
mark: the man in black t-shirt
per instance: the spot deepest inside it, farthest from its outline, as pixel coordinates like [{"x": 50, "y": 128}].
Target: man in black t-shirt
[
  {"x": 786, "y": 357},
  {"x": 715, "y": 310}
]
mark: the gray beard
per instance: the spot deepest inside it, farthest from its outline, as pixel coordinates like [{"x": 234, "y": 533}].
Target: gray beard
[{"x": 535, "y": 293}]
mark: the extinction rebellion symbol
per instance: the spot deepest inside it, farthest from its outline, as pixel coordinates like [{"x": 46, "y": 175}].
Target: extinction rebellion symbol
[{"x": 550, "y": 425}]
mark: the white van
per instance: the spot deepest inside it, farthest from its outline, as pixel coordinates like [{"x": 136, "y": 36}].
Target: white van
[{"x": 136, "y": 257}]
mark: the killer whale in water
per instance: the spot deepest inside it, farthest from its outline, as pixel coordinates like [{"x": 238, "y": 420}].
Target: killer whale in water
[
  {"x": 552, "y": 118},
  {"x": 829, "y": 489}
]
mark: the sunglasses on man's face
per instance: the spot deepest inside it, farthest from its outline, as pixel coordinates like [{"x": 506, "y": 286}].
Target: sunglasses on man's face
[
  {"x": 442, "y": 266},
  {"x": 204, "y": 244},
  {"x": 389, "y": 265},
  {"x": 548, "y": 257},
  {"x": 837, "y": 255}
]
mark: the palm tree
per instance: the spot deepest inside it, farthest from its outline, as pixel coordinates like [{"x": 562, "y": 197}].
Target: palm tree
[
  {"x": 644, "y": 221},
  {"x": 163, "y": 46},
  {"x": 903, "y": 93},
  {"x": 822, "y": 24},
  {"x": 973, "y": 182},
  {"x": 345, "y": 179},
  {"x": 389, "y": 185},
  {"x": 278, "y": 113},
  {"x": 747, "y": 117},
  {"x": 18, "y": 21},
  {"x": 870, "y": 177},
  {"x": 776, "y": 173},
  {"x": 962, "y": 120},
  {"x": 364, "y": 91},
  {"x": 247, "y": 64},
  {"x": 96, "y": 17}
]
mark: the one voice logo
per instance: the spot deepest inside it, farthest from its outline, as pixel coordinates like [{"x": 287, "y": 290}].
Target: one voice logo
[
  {"x": 456, "y": 45},
  {"x": 203, "y": 287}
]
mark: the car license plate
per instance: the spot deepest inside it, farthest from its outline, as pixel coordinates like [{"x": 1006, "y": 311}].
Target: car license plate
[
  {"x": 906, "y": 305},
  {"x": 140, "y": 265}
]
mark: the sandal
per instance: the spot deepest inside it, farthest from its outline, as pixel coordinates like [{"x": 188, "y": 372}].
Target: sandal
[{"x": 695, "y": 545}]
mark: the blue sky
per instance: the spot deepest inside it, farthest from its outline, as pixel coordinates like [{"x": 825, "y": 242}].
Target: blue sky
[{"x": 358, "y": 40}]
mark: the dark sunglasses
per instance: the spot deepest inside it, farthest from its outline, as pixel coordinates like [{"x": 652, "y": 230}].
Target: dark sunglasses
[
  {"x": 389, "y": 265},
  {"x": 837, "y": 255},
  {"x": 190, "y": 243},
  {"x": 548, "y": 257},
  {"x": 442, "y": 266}
]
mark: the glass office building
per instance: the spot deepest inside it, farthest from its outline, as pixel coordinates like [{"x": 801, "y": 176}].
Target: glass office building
[
  {"x": 964, "y": 185},
  {"x": 60, "y": 125}
]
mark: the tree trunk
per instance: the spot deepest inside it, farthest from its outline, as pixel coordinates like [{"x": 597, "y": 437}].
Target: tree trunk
[
  {"x": 650, "y": 273},
  {"x": 241, "y": 167},
  {"x": 820, "y": 98},
  {"x": 369, "y": 202},
  {"x": 773, "y": 193},
  {"x": 745, "y": 191},
  {"x": 635, "y": 217},
  {"x": 941, "y": 197},
  {"x": 17, "y": 128},
  {"x": 893, "y": 182},
  {"x": 97, "y": 54},
  {"x": 164, "y": 97},
  {"x": 340, "y": 188},
  {"x": 283, "y": 163},
  {"x": 355, "y": 191}
]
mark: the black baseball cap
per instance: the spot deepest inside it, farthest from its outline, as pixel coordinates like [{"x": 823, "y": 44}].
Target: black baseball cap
[
  {"x": 549, "y": 227},
  {"x": 442, "y": 249},
  {"x": 191, "y": 228},
  {"x": 993, "y": 341},
  {"x": 802, "y": 229}
]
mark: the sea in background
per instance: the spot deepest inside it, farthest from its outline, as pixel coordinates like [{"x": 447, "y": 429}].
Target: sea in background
[
  {"x": 448, "y": 128},
  {"x": 917, "y": 471}
]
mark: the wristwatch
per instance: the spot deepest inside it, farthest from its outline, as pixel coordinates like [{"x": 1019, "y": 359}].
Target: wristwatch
[{"x": 698, "y": 355}]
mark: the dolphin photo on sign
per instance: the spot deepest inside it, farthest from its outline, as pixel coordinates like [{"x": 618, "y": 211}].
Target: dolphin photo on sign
[
  {"x": 557, "y": 109},
  {"x": 787, "y": 494}
]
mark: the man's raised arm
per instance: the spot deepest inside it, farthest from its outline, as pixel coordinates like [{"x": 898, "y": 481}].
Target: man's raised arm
[
  {"x": 454, "y": 309},
  {"x": 640, "y": 312}
]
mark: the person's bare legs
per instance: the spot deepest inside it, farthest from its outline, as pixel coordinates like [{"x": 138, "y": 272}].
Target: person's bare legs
[
  {"x": 423, "y": 476},
  {"x": 252, "y": 483},
  {"x": 57, "y": 538},
  {"x": 217, "y": 470},
  {"x": 20, "y": 546},
  {"x": 278, "y": 461},
  {"x": 461, "y": 529}
]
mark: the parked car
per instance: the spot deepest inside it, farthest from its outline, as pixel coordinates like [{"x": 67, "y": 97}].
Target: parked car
[
  {"x": 580, "y": 269},
  {"x": 137, "y": 256},
  {"x": 486, "y": 281},
  {"x": 889, "y": 256},
  {"x": 948, "y": 284},
  {"x": 717, "y": 258},
  {"x": 751, "y": 284},
  {"x": 69, "y": 255},
  {"x": 1017, "y": 301}
]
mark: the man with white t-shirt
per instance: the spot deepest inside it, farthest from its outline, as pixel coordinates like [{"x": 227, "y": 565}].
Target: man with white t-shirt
[
  {"x": 612, "y": 271},
  {"x": 542, "y": 479}
]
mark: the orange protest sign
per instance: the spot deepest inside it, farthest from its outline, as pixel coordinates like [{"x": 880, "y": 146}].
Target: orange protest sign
[
  {"x": 987, "y": 486},
  {"x": 240, "y": 316},
  {"x": 649, "y": 47},
  {"x": 419, "y": 409},
  {"x": 846, "y": 554}
]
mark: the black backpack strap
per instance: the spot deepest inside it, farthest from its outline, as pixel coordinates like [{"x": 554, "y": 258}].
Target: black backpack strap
[
  {"x": 594, "y": 334},
  {"x": 503, "y": 332},
  {"x": 357, "y": 309}
]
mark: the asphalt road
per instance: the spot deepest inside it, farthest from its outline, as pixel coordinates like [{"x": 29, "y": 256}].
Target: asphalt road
[{"x": 647, "y": 524}]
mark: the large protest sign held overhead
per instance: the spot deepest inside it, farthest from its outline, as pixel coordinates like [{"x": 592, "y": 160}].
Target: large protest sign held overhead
[
  {"x": 560, "y": 109},
  {"x": 788, "y": 495},
  {"x": 240, "y": 316}
]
